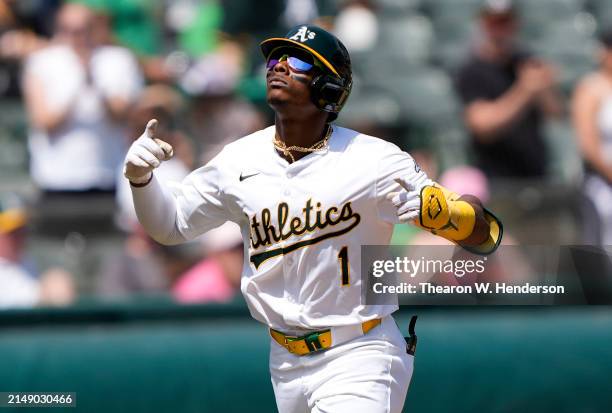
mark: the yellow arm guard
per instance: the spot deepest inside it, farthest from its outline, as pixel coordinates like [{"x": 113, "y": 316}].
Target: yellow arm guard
[{"x": 443, "y": 214}]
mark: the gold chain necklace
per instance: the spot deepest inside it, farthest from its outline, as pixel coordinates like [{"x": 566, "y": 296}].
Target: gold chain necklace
[{"x": 317, "y": 146}]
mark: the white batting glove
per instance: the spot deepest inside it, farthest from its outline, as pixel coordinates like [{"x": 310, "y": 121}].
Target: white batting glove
[
  {"x": 146, "y": 153},
  {"x": 407, "y": 201}
]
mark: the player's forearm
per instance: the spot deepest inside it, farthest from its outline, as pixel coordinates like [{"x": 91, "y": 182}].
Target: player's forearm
[
  {"x": 596, "y": 162},
  {"x": 461, "y": 219},
  {"x": 156, "y": 210},
  {"x": 47, "y": 121},
  {"x": 487, "y": 118},
  {"x": 41, "y": 114},
  {"x": 457, "y": 218}
]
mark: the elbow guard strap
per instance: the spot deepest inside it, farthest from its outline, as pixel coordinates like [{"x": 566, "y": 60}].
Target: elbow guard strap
[{"x": 443, "y": 214}]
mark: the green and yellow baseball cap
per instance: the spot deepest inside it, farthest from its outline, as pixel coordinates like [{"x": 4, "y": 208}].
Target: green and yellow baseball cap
[
  {"x": 12, "y": 214},
  {"x": 326, "y": 47}
]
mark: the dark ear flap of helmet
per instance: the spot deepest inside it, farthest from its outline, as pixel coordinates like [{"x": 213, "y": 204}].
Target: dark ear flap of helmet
[{"x": 329, "y": 93}]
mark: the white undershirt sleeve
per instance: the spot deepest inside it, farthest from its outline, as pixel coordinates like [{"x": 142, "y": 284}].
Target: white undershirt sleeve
[{"x": 156, "y": 210}]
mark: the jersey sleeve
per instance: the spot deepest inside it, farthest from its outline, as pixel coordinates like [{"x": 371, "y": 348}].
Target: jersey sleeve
[
  {"x": 396, "y": 163},
  {"x": 201, "y": 203}
]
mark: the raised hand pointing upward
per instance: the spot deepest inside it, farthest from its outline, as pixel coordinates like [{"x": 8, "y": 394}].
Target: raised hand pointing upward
[{"x": 146, "y": 153}]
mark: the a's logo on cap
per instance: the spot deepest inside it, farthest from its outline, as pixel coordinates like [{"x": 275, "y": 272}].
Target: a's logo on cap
[{"x": 303, "y": 34}]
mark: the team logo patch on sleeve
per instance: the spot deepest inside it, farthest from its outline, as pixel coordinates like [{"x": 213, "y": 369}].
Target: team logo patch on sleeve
[{"x": 417, "y": 167}]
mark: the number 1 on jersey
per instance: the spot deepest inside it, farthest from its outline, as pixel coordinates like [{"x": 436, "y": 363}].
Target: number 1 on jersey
[{"x": 344, "y": 266}]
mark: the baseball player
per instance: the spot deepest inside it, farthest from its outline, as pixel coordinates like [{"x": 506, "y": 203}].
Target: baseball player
[{"x": 307, "y": 194}]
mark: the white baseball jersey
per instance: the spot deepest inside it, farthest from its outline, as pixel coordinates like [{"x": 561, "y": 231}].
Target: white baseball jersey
[{"x": 303, "y": 223}]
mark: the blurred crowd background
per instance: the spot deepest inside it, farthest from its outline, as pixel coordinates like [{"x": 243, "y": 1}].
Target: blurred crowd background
[{"x": 507, "y": 100}]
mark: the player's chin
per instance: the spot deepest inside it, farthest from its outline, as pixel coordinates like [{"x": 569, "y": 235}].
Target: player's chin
[{"x": 277, "y": 98}]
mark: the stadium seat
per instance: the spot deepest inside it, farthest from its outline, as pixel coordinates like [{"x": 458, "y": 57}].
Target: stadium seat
[
  {"x": 604, "y": 19},
  {"x": 404, "y": 41},
  {"x": 370, "y": 104},
  {"x": 454, "y": 26},
  {"x": 449, "y": 9},
  {"x": 602, "y": 10},
  {"x": 452, "y": 146},
  {"x": 13, "y": 134},
  {"x": 452, "y": 53},
  {"x": 425, "y": 97},
  {"x": 572, "y": 50},
  {"x": 549, "y": 10},
  {"x": 453, "y": 29},
  {"x": 397, "y": 7},
  {"x": 425, "y": 102},
  {"x": 565, "y": 162}
]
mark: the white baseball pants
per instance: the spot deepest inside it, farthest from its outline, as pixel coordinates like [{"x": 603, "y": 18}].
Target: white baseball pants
[{"x": 369, "y": 374}]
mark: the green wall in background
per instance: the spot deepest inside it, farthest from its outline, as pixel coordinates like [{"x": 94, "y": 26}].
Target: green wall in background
[{"x": 164, "y": 358}]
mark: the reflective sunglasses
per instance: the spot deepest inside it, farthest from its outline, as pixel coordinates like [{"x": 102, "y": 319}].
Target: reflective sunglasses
[{"x": 298, "y": 62}]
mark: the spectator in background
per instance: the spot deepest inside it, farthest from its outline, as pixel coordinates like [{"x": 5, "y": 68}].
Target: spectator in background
[
  {"x": 77, "y": 95},
  {"x": 217, "y": 277},
  {"x": 207, "y": 270},
  {"x": 357, "y": 13},
  {"x": 506, "y": 93},
  {"x": 143, "y": 267},
  {"x": 592, "y": 117},
  {"x": 217, "y": 114},
  {"x": 18, "y": 287},
  {"x": 139, "y": 26},
  {"x": 57, "y": 288},
  {"x": 135, "y": 23},
  {"x": 20, "y": 283},
  {"x": 24, "y": 28}
]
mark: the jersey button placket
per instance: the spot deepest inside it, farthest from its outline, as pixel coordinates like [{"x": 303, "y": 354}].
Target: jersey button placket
[
  {"x": 287, "y": 184},
  {"x": 288, "y": 261}
]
